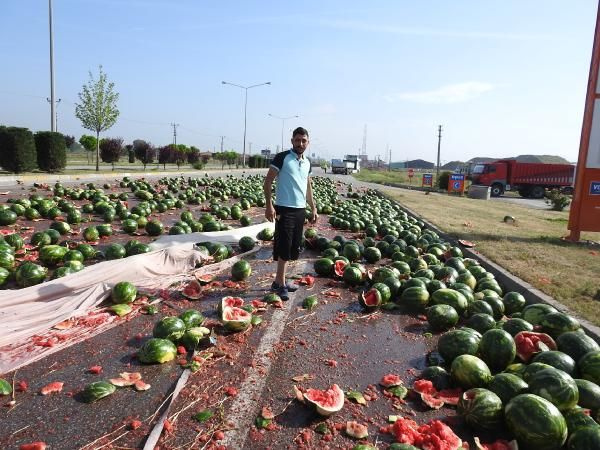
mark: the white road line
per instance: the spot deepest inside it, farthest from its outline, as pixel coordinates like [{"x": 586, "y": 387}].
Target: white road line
[{"x": 244, "y": 408}]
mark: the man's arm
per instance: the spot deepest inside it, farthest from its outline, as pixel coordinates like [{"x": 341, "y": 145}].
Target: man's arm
[
  {"x": 311, "y": 201},
  {"x": 267, "y": 187}
]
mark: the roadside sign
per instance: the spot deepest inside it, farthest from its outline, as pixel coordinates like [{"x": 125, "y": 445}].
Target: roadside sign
[
  {"x": 427, "y": 180},
  {"x": 585, "y": 208},
  {"x": 411, "y": 173},
  {"x": 456, "y": 183}
]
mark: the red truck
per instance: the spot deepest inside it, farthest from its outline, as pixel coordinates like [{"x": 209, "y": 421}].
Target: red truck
[{"x": 529, "y": 179}]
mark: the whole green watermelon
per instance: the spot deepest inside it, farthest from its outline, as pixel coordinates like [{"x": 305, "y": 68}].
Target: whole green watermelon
[
  {"x": 497, "y": 348},
  {"x": 241, "y": 270},
  {"x": 576, "y": 344},
  {"x": 556, "y": 359},
  {"x": 171, "y": 328},
  {"x": 589, "y": 366},
  {"x": 468, "y": 371},
  {"x": 481, "y": 409},
  {"x": 29, "y": 274},
  {"x": 535, "y": 422},
  {"x": 51, "y": 255},
  {"x": 457, "y": 342},
  {"x": 123, "y": 292},
  {"x": 555, "y": 386},
  {"x": 507, "y": 386},
  {"x": 585, "y": 438}
]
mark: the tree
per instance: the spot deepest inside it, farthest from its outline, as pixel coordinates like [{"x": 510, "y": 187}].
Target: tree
[
  {"x": 130, "y": 154},
  {"x": 179, "y": 154},
  {"x": 193, "y": 155},
  {"x": 164, "y": 155},
  {"x": 89, "y": 143},
  {"x": 110, "y": 150},
  {"x": 231, "y": 157},
  {"x": 97, "y": 109},
  {"x": 69, "y": 140},
  {"x": 144, "y": 151},
  {"x": 17, "y": 150}
]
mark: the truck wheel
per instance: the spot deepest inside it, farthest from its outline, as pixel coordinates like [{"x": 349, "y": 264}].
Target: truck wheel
[
  {"x": 538, "y": 192},
  {"x": 497, "y": 190},
  {"x": 525, "y": 192}
]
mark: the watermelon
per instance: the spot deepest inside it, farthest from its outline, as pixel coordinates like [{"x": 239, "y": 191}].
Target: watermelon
[
  {"x": 326, "y": 402},
  {"x": 434, "y": 435},
  {"x": 437, "y": 375},
  {"x": 481, "y": 409},
  {"x": 237, "y": 302},
  {"x": 585, "y": 438},
  {"x": 529, "y": 343},
  {"x": 115, "y": 251},
  {"x": 97, "y": 390},
  {"x": 171, "y": 328},
  {"x": 352, "y": 252},
  {"x": 372, "y": 255},
  {"x": 516, "y": 325},
  {"x": 91, "y": 234},
  {"x": 7, "y": 217},
  {"x": 352, "y": 276},
  {"x": 241, "y": 270},
  {"x": 51, "y": 255},
  {"x": 452, "y": 298},
  {"x": 324, "y": 267},
  {"x": 534, "y": 313},
  {"x": 384, "y": 290},
  {"x": 246, "y": 243},
  {"x": 235, "y": 319},
  {"x": 157, "y": 350},
  {"x": 394, "y": 284},
  {"x": 123, "y": 292},
  {"x": 507, "y": 386},
  {"x": 382, "y": 273},
  {"x": 535, "y": 422},
  {"x": 577, "y": 418},
  {"x": 556, "y": 323},
  {"x": 340, "y": 265},
  {"x": 479, "y": 307},
  {"x": 589, "y": 366},
  {"x": 497, "y": 348},
  {"x": 576, "y": 344},
  {"x": 589, "y": 394},
  {"x": 468, "y": 371},
  {"x": 457, "y": 342},
  {"x": 154, "y": 227},
  {"x": 192, "y": 290},
  {"x": 29, "y": 274},
  {"x": 415, "y": 297},
  {"x": 191, "y": 318},
  {"x": 481, "y": 322},
  {"x": 517, "y": 369},
  {"x": 556, "y": 359},
  {"x": 370, "y": 299},
  {"x": 442, "y": 317},
  {"x": 555, "y": 386}
]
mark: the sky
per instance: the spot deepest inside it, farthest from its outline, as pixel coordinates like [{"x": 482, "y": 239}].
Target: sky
[{"x": 502, "y": 77}]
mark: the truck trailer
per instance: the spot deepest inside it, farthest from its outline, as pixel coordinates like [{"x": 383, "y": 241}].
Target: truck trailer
[
  {"x": 350, "y": 164},
  {"x": 528, "y": 179}
]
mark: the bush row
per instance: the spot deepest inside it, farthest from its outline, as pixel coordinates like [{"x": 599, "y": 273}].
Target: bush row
[{"x": 22, "y": 151}]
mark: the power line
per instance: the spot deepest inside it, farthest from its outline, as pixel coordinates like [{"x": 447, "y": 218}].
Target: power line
[{"x": 174, "y": 125}]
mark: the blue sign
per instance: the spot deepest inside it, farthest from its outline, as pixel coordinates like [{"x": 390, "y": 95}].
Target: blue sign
[
  {"x": 456, "y": 185},
  {"x": 427, "y": 179},
  {"x": 457, "y": 177},
  {"x": 595, "y": 188}
]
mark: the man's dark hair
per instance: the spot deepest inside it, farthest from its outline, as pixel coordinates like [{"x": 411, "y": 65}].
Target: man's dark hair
[{"x": 301, "y": 131}]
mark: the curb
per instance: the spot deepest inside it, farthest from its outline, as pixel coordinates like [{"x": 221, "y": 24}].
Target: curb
[{"x": 506, "y": 279}]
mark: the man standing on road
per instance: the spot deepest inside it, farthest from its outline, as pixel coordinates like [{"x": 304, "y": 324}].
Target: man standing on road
[{"x": 292, "y": 171}]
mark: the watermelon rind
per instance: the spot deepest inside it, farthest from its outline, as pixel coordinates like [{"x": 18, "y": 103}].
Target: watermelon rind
[
  {"x": 97, "y": 390},
  {"x": 481, "y": 409},
  {"x": 555, "y": 386},
  {"x": 497, "y": 348},
  {"x": 241, "y": 323},
  {"x": 334, "y": 394}
]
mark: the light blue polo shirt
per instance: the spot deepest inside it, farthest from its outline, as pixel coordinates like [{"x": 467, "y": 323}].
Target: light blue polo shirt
[{"x": 292, "y": 178}]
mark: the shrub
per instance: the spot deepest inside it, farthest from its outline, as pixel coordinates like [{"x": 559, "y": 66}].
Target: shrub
[
  {"x": 51, "y": 151},
  {"x": 557, "y": 199},
  {"x": 69, "y": 140},
  {"x": 110, "y": 150},
  {"x": 198, "y": 165},
  {"x": 442, "y": 182},
  {"x": 193, "y": 155},
  {"x": 17, "y": 150},
  {"x": 130, "y": 153}
]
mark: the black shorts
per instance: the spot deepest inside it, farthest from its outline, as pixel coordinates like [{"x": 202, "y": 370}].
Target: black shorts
[{"x": 289, "y": 223}]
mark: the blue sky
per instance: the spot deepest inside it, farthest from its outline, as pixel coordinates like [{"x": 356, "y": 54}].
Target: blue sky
[{"x": 502, "y": 77}]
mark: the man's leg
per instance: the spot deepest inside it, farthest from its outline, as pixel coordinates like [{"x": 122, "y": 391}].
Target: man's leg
[{"x": 281, "y": 268}]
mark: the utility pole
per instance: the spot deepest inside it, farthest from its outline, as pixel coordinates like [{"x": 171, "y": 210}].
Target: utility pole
[
  {"x": 174, "y": 125},
  {"x": 222, "y": 137},
  {"x": 52, "y": 107},
  {"x": 437, "y": 175},
  {"x": 390, "y": 160},
  {"x": 55, "y": 120}
]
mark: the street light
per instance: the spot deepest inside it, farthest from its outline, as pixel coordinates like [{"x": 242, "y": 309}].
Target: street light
[
  {"x": 245, "y": 108},
  {"x": 283, "y": 119}
]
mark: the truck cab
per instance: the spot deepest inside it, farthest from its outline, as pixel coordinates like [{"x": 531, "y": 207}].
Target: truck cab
[{"x": 491, "y": 174}]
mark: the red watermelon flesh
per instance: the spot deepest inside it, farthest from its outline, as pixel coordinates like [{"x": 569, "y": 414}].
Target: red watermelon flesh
[
  {"x": 192, "y": 290},
  {"x": 432, "y": 397},
  {"x": 235, "y": 313},
  {"x": 529, "y": 343},
  {"x": 233, "y": 301},
  {"x": 432, "y": 436},
  {"x": 390, "y": 380},
  {"x": 339, "y": 267}
]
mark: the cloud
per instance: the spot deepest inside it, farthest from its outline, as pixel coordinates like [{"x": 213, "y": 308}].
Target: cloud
[{"x": 451, "y": 93}]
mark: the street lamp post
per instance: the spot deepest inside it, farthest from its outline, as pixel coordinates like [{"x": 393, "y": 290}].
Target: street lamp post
[
  {"x": 283, "y": 119},
  {"x": 245, "y": 109}
]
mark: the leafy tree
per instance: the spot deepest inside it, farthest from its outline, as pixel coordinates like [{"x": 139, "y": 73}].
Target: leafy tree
[
  {"x": 220, "y": 156},
  {"x": 110, "y": 150},
  {"x": 231, "y": 157},
  {"x": 179, "y": 154},
  {"x": 165, "y": 155},
  {"x": 97, "y": 109},
  {"x": 17, "y": 150},
  {"x": 443, "y": 181},
  {"x": 144, "y": 152},
  {"x": 69, "y": 140},
  {"x": 193, "y": 155},
  {"x": 205, "y": 158},
  {"x": 130, "y": 154},
  {"x": 89, "y": 143},
  {"x": 51, "y": 151}
]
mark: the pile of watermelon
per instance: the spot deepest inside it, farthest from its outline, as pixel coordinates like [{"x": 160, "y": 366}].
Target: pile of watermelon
[{"x": 529, "y": 369}]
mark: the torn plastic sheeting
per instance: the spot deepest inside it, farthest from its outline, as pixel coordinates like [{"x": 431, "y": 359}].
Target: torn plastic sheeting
[{"x": 227, "y": 236}]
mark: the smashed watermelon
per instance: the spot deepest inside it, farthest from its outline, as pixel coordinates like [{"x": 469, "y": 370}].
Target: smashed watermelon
[
  {"x": 500, "y": 444},
  {"x": 432, "y": 397},
  {"x": 339, "y": 267},
  {"x": 529, "y": 343},
  {"x": 434, "y": 435},
  {"x": 192, "y": 290}
]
